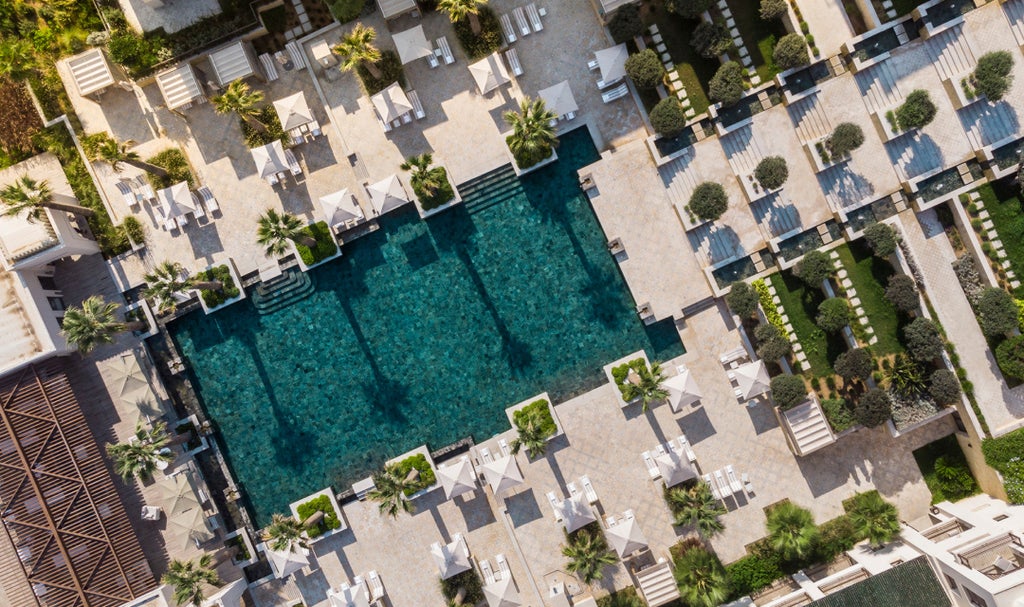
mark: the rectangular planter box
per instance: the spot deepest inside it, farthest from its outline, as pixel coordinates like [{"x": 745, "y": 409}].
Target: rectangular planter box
[
  {"x": 426, "y": 453},
  {"x": 444, "y": 207},
  {"x": 885, "y": 130},
  {"x": 551, "y": 408},
  {"x": 811, "y": 149},
  {"x": 149, "y": 318},
  {"x": 230, "y": 263},
  {"x": 294, "y": 507},
  {"x": 608, "y": 373}
]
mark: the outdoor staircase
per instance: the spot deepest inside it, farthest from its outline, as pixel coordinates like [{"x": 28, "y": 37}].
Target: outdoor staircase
[
  {"x": 810, "y": 119},
  {"x": 657, "y": 584},
  {"x": 1014, "y": 11},
  {"x": 951, "y": 53},
  {"x": 282, "y": 291},
  {"x": 808, "y": 428},
  {"x": 680, "y": 178},
  {"x": 742, "y": 149},
  {"x": 490, "y": 189},
  {"x": 776, "y": 214},
  {"x": 878, "y": 86},
  {"x": 987, "y": 123}
]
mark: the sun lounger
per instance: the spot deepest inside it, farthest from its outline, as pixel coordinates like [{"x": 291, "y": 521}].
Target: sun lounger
[
  {"x": 169, "y": 224},
  {"x": 199, "y": 212},
  {"x": 506, "y": 26},
  {"x": 485, "y": 455},
  {"x": 588, "y": 489},
  {"x": 182, "y": 221},
  {"x": 723, "y": 487},
  {"x": 485, "y": 568},
  {"x": 314, "y": 129},
  {"x": 531, "y": 11},
  {"x": 407, "y": 118},
  {"x": 616, "y": 93},
  {"x": 432, "y": 60},
  {"x": 145, "y": 191},
  {"x": 384, "y": 125},
  {"x": 208, "y": 199},
  {"x": 503, "y": 445},
  {"x": 499, "y": 560},
  {"x": 570, "y": 115},
  {"x": 684, "y": 446},
  {"x": 130, "y": 198},
  {"x": 269, "y": 67},
  {"x": 610, "y": 521},
  {"x": 749, "y": 488},
  {"x": 593, "y": 65},
  {"x": 295, "y": 53},
  {"x": 520, "y": 15},
  {"x": 652, "y": 468},
  {"x": 714, "y": 488},
  {"x": 628, "y": 515},
  {"x": 446, "y": 51},
  {"x": 293, "y": 163},
  {"x": 601, "y": 84},
  {"x": 272, "y": 179},
  {"x": 513, "y": 62},
  {"x": 376, "y": 586},
  {"x": 417, "y": 107},
  {"x": 734, "y": 483},
  {"x": 298, "y": 139},
  {"x": 738, "y": 393},
  {"x": 555, "y": 505},
  {"x": 573, "y": 489}
]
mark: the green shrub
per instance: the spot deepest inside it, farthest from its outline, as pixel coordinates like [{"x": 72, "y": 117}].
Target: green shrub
[
  {"x": 326, "y": 245},
  {"x": 833, "y": 314},
  {"x": 726, "y": 86},
  {"x": 838, "y": 414},
  {"x": 834, "y": 538},
  {"x": 814, "y": 268},
  {"x": 347, "y": 10},
  {"x": 390, "y": 66},
  {"x": 791, "y": 51},
  {"x": 993, "y": 75},
  {"x": 688, "y": 9},
  {"x": 627, "y": 597},
  {"x": 873, "y": 408},
  {"x": 645, "y": 69},
  {"x": 1010, "y": 356},
  {"x": 954, "y": 477},
  {"x": 771, "y": 172},
  {"x": 620, "y": 372},
  {"x": 467, "y": 580},
  {"x": 902, "y": 293},
  {"x": 752, "y": 573},
  {"x": 788, "y": 391},
  {"x": 771, "y": 311},
  {"x": 229, "y": 290},
  {"x": 489, "y": 40},
  {"x": 626, "y": 23},
  {"x": 845, "y": 138},
  {"x": 997, "y": 312},
  {"x": 419, "y": 462},
  {"x": 136, "y": 53},
  {"x": 881, "y": 238},
  {"x": 923, "y": 339},
  {"x": 442, "y": 195},
  {"x": 708, "y": 201},
  {"x": 944, "y": 387},
  {"x": 916, "y": 112},
  {"x": 538, "y": 413},
  {"x": 772, "y": 9},
  {"x": 771, "y": 343},
  {"x": 854, "y": 364},
  {"x": 742, "y": 299},
  {"x": 668, "y": 117},
  {"x": 710, "y": 39},
  {"x": 133, "y": 229},
  {"x": 176, "y": 165},
  {"x": 256, "y": 137},
  {"x": 323, "y": 504}
]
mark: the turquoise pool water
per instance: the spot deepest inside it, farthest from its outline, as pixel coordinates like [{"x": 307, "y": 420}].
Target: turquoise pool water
[{"x": 422, "y": 332}]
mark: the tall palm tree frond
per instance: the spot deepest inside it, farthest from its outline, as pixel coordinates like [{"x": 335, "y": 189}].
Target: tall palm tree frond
[
  {"x": 139, "y": 457},
  {"x": 26, "y": 195},
  {"x": 588, "y": 553},
  {"x": 701, "y": 579},
  {"x": 91, "y": 324},
  {"x": 875, "y": 518},
  {"x": 698, "y": 507},
  {"x": 357, "y": 48},
  {"x": 389, "y": 491},
  {"x": 284, "y": 533},
  {"x": 532, "y": 134},
  {"x": 275, "y": 230},
  {"x": 189, "y": 578},
  {"x": 458, "y": 10},
  {"x": 791, "y": 530},
  {"x": 532, "y": 437},
  {"x": 238, "y": 98},
  {"x": 163, "y": 283}
]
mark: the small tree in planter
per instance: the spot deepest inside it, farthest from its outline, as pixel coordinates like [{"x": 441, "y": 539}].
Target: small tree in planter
[
  {"x": 814, "y": 268},
  {"x": 874, "y": 518},
  {"x": 881, "y": 238},
  {"x": 668, "y": 117},
  {"x": 944, "y": 387},
  {"x": 389, "y": 491},
  {"x": 993, "y": 75},
  {"x": 916, "y": 112},
  {"x": 647, "y": 387},
  {"x": 854, "y": 364},
  {"x": 845, "y": 138},
  {"x": 790, "y": 52},
  {"x": 626, "y": 23},
  {"x": 923, "y": 340},
  {"x": 788, "y": 391},
  {"x": 742, "y": 299},
  {"x": 94, "y": 323},
  {"x": 284, "y": 533},
  {"x": 276, "y": 231},
  {"x": 772, "y": 9},
  {"x": 239, "y": 99},
  {"x": 430, "y": 184},
  {"x": 645, "y": 69},
  {"x": 458, "y": 10},
  {"x": 771, "y": 172},
  {"x": 101, "y": 146},
  {"x": 873, "y": 408},
  {"x": 708, "y": 201},
  {"x": 696, "y": 506},
  {"x": 771, "y": 343},
  {"x": 902, "y": 293},
  {"x": 997, "y": 312},
  {"x": 726, "y": 86},
  {"x": 533, "y": 139},
  {"x": 190, "y": 578},
  {"x": 167, "y": 280},
  {"x": 710, "y": 39},
  {"x": 357, "y": 48},
  {"x": 588, "y": 553},
  {"x": 534, "y": 426},
  {"x": 141, "y": 457}
]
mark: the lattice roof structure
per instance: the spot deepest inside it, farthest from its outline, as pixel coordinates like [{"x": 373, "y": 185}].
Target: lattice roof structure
[{"x": 60, "y": 509}]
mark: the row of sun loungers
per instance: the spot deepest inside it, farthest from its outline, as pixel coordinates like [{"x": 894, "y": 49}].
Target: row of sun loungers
[
  {"x": 524, "y": 18},
  {"x": 724, "y": 483},
  {"x": 616, "y": 93},
  {"x": 446, "y": 51},
  {"x": 135, "y": 191},
  {"x": 504, "y": 572}
]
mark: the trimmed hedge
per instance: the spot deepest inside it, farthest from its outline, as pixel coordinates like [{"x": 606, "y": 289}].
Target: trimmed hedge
[
  {"x": 668, "y": 117},
  {"x": 347, "y": 10},
  {"x": 771, "y": 311},
  {"x": 326, "y": 245},
  {"x": 323, "y": 504},
  {"x": 788, "y": 391},
  {"x": 539, "y": 413},
  {"x": 645, "y": 69},
  {"x": 620, "y": 372},
  {"x": 229, "y": 290},
  {"x": 418, "y": 461}
]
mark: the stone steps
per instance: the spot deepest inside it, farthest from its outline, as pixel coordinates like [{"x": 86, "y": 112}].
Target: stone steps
[
  {"x": 742, "y": 150},
  {"x": 951, "y": 53},
  {"x": 878, "y": 86},
  {"x": 810, "y": 119},
  {"x": 1014, "y": 11},
  {"x": 680, "y": 179}
]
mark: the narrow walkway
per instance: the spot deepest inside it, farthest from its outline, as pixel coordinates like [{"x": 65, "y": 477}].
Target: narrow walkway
[{"x": 933, "y": 254}]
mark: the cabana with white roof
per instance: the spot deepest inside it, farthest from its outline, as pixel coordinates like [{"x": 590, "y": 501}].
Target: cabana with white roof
[
  {"x": 349, "y": 596},
  {"x": 559, "y": 99},
  {"x": 392, "y": 104},
  {"x": 387, "y": 194},
  {"x": 293, "y": 111},
  {"x": 575, "y": 512},
  {"x": 674, "y": 469},
  {"x": 612, "y": 62},
  {"x": 395, "y": 8},
  {"x": 752, "y": 379},
  {"x": 286, "y": 562},
  {"x": 502, "y": 474},
  {"x": 233, "y": 62},
  {"x": 176, "y": 203},
  {"x": 179, "y": 87},
  {"x": 457, "y": 478},
  {"x": 682, "y": 390},
  {"x": 502, "y": 593},
  {"x": 489, "y": 73},
  {"x": 341, "y": 208},
  {"x": 412, "y": 45},
  {"x": 270, "y": 159},
  {"x": 626, "y": 536},
  {"x": 90, "y": 71}
]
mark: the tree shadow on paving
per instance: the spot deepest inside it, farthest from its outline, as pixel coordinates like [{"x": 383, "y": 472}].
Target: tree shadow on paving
[{"x": 523, "y": 508}]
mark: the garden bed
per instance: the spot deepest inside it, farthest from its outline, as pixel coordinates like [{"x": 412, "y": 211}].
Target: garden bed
[
  {"x": 945, "y": 470},
  {"x": 419, "y": 462},
  {"x": 618, "y": 371},
  {"x": 694, "y": 71},
  {"x": 468, "y": 580},
  {"x": 1005, "y": 455},
  {"x": 869, "y": 275},
  {"x": 1005, "y": 212},
  {"x": 256, "y": 137},
  {"x": 758, "y": 35},
  {"x": 178, "y": 169},
  {"x": 326, "y": 246},
  {"x": 229, "y": 292},
  {"x": 540, "y": 411},
  {"x": 321, "y": 501},
  {"x": 800, "y": 303}
]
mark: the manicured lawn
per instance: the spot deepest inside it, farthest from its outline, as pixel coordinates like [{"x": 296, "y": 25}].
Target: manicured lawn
[
  {"x": 904, "y": 7},
  {"x": 694, "y": 70},
  {"x": 758, "y": 35},
  {"x": 869, "y": 274},
  {"x": 943, "y": 490},
  {"x": 1004, "y": 208},
  {"x": 800, "y": 303}
]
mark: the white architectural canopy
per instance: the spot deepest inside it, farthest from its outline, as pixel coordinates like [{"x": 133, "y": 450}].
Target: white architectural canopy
[
  {"x": 612, "y": 62},
  {"x": 451, "y": 559},
  {"x": 682, "y": 390},
  {"x": 575, "y": 512},
  {"x": 387, "y": 194},
  {"x": 233, "y": 62},
  {"x": 457, "y": 478},
  {"x": 286, "y": 562},
  {"x": 626, "y": 536},
  {"x": 674, "y": 469},
  {"x": 269, "y": 159},
  {"x": 90, "y": 71},
  {"x": 412, "y": 44},
  {"x": 752, "y": 379},
  {"x": 394, "y": 8},
  {"x": 502, "y": 474},
  {"x": 502, "y": 593},
  {"x": 339, "y": 207},
  {"x": 391, "y": 103},
  {"x": 179, "y": 86},
  {"x": 293, "y": 111},
  {"x": 176, "y": 200},
  {"x": 559, "y": 99},
  {"x": 489, "y": 73},
  {"x": 349, "y": 596}
]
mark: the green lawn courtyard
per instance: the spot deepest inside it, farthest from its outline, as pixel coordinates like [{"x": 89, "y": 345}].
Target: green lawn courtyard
[
  {"x": 758, "y": 35},
  {"x": 800, "y": 303},
  {"x": 694, "y": 71},
  {"x": 1003, "y": 204},
  {"x": 869, "y": 275}
]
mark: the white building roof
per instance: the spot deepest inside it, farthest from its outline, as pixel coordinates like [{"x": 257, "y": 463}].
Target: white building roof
[
  {"x": 393, "y": 8},
  {"x": 231, "y": 63},
  {"x": 178, "y": 86},
  {"x": 90, "y": 71}
]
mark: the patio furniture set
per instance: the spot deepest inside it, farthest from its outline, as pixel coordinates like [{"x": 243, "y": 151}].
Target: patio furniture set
[
  {"x": 360, "y": 593},
  {"x": 749, "y": 377},
  {"x": 724, "y": 483},
  {"x": 274, "y": 163},
  {"x": 610, "y": 63},
  {"x": 672, "y": 462},
  {"x": 175, "y": 204}
]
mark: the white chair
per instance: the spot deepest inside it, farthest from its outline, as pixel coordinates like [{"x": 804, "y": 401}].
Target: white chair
[
  {"x": 432, "y": 60},
  {"x": 506, "y": 27},
  {"x": 593, "y": 64},
  {"x": 407, "y": 118},
  {"x": 520, "y": 15},
  {"x": 272, "y": 179},
  {"x": 711, "y": 484},
  {"x": 573, "y": 489},
  {"x": 652, "y": 468},
  {"x": 182, "y": 221},
  {"x": 485, "y": 455},
  {"x": 570, "y": 115},
  {"x": 531, "y": 10},
  {"x": 610, "y": 520},
  {"x": 293, "y": 163},
  {"x": 555, "y": 506},
  {"x": 503, "y": 445},
  {"x": 628, "y": 515},
  {"x": 499, "y": 559},
  {"x": 314, "y": 129},
  {"x": 376, "y": 586},
  {"x": 384, "y": 125},
  {"x": 485, "y": 568},
  {"x": 208, "y": 199},
  {"x": 588, "y": 490},
  {"x": 684, "y": 446},
  {"x": 734, "y": 483},
  {"x": 446, "y": 51},
  {"x": 747, "y": 486}
]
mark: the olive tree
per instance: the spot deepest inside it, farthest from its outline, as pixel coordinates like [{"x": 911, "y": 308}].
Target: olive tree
[
  {"x": 772, "y": 9},
  {"x": 688, "y": 9},
  {"x": 709, "y": 201},
  {"x": 814, "y": 268},
  {"x": 771, "y": 343},
  {"x": 726, "y": 86},
  {"x": 668, "y": 117},
  {"x": 790, "y": 52},
  {"x": 788, "y": 391},
  {"x": 645, "y": 69},
  {"x": 742, "y": 299},
  {"x": 902, "y": 293},
  {"x": 854, "y": 364},
  {"x": 710, "y": 39},
  {"x": 944, "y": 387},
  {"x": 771, "y": 172},
  {"x": 626, "y": 23},
  {"x": 881, "y": 238},
  {"x": 993, "y": 75},
  {"x": 923, "y": 339},
  {"x": 845, "y": 138},
  {"x": 873, "y": 408},
  {"x": 917, "y": 111},
  {"x": 997, "y": 312},
  {"x": 833, "y": 315}
]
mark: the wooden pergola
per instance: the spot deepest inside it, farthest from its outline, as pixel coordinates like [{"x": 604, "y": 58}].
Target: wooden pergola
[{"x": 60, "y": 509}]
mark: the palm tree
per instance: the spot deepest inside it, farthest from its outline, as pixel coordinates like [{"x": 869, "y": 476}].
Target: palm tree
[
  {"x": 101, "y": 146},
  {"x": 357, "y": 48},
  {"x": 696, "y": 506},
  {"x": 26, "y": 195},
  {"x": 588, "y": 554},
  {"x": 140, "y": 456},
  {"x": 701, "y": 579},
  {"x": 791, "y": 530},
  {"x": 389, "y": 490},
  {"x": 284, "y": 533},
  {"x": 875, "y": 518},
  {"x": 533, "y": 437},
  {"x": 276, "y": 230},
  {"x": 423, "y": 177},
  {"x": 647, "y": 387},
  {"x": 532, "y": 135},
  {"x": 17, "y": 58},
  {"x": 168, "y": 279},
  {"x": 189, "y": 579},
  {"x": 462, "y": 9},
  {"x": 240, "y": 99},
  {"x": 94, "y": 324}
]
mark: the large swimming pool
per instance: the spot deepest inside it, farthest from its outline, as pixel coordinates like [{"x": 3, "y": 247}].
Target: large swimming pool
[{"x": 422, "y": 332}]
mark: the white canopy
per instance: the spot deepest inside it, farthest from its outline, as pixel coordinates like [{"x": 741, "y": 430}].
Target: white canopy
[
  {"x": 269, "y": 159},
  {"x": 457, "y": 478},
  {"x": 674, "y": 469},
  {"x": 232, "y": 62},
  {"x": 293, "y": 111},
  {"x": 489, "y": 73},
  {"x": 502, "y": 474},
  {"x": 387, "y": 194},
  {"x": 612, "y": 62},
  {"x": 286, "y": 562},
  {"x": 176, "y": 200},
  {"x": 90, "y": 71},
  {"x": 178, "y": 86},
  {"x": 682, "y": 390},
  {"x": 752, "y": 379},
  {"x": 451, "y": 559},
  {"x": 349, "y": 596},
  {"x": 190, "y": 526},
  {"x": 412, "y": 44},
  {"x": 502, "y": 593},
  {"x": 391, "y": 103},
  {"x": 626, "y": 537},
  {"x": 176, "y": 494},
  {"x": 576, "y": 513},
  {"x": 340, "y": 207},
  {"x": 559, "y": 99}
]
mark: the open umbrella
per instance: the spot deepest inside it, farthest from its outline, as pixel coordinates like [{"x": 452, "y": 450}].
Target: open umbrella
[
  {"x": 674, "y": 470},
  {"x": 387, "y": 194},
  {"x": 612, "y": 62},
  {"x": 269, "y": 159},
  {"x": 391, "y": 103},
  {"x": 457, "y": 478},
  {"x": 502, "y": 474},
  {"x": 286, "y": 562},
  {"x": 489, "y": 73},
  {"x": 626, "y": 537},
  {"x": 350, "y": 596},
  {"x": 176, "y": 495},
  {"x": 177, "y": 200},
  {"x": 126, "y": 374},
  {"x": 412, "y": 44},
  {"x": 559, "y": 99},
  {"x": 339, "y": 207},
  {"x": 293, "y": 111},
  {"x": 682, "y": 390},
  {"x": 451, "y": 559},
  {"x": 502, "y": 593},
  {"x": 190, "y": 525},
  {"x": 752, "y": 379},
  {"x": 576, "y": 513}
]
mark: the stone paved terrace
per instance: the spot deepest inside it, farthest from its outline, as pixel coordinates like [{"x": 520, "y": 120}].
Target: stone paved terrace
[
  {"x": 828, "y": 23},
  {"x": 987, "y": 123}
]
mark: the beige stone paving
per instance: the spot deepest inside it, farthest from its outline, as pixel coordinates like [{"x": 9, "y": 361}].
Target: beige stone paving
[
  {"x": 988, "y": 31},
  {"x": 828, "y": 22}
]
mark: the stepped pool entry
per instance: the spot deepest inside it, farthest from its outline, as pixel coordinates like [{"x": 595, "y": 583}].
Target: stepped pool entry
[{"x": 422, "y": 332}]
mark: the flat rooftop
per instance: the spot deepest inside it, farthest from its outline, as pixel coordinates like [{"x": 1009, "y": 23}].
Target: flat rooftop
[{"x": 19, "y": 237}]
